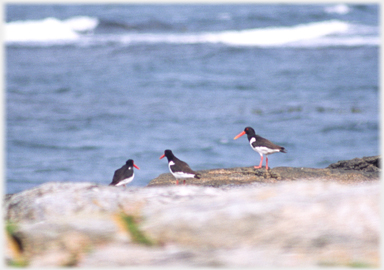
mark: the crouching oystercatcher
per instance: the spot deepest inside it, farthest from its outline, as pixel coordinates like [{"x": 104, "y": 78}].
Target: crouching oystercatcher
[
  {"x": 124, "y": 175},
  {"x": 261, "y": 145},
  {"x": 179, "y": 168}
]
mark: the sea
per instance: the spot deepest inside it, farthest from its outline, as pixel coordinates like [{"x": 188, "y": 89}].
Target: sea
[{"x": 89, "y": 86}]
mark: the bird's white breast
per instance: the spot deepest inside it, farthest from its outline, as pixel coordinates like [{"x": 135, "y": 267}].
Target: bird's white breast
[
  {"x": 126, "y": 180},
  {"x": 170, "y": 164},
  {"x": 179, "y": 174},
  {"x": 252, "y": 140},
  {"x": 262, "y": 150},
  {"x": 183, "y": 175}
]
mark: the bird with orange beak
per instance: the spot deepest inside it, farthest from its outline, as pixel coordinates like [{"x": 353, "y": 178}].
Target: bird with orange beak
[{"x": 260, "y": 145}]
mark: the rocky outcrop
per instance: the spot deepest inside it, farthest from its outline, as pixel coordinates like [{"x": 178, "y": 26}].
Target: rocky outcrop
[
  {"x": 301, "y": 223},
  {"x": 365, "y": 164},
  {"x": 269, "y": 223},
  {"x": 346, "y": 171}
]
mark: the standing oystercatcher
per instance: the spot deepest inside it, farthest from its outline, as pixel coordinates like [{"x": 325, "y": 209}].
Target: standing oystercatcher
[
  {"x": 179, "y": 168},
  {"x": 261, "y": 145},
  {"x": 124, "y": 175}
]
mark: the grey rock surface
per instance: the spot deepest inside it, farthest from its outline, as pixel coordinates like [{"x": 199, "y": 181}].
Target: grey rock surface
[
  {"x": 289, "y": 223},
  {"x": 347, "y": 171},
  {"x": 366, "y": 164}
]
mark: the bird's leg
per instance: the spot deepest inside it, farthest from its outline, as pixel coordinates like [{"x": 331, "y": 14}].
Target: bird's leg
[
  {"x": 184, "y": 182},
  {"x": 177, "y": 181},
  {"x": 261, "y": 162},
  {"x": 266, "y": 163}
]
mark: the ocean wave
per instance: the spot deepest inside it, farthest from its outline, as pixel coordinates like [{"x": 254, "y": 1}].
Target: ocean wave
[
  {"x": 338, "y": 9},
  {"x": 78, "y": 31},
  {"x": 49, "y": 29},
  {"x": 43, "y": 145},
  {"x": 317, "y": 34}
]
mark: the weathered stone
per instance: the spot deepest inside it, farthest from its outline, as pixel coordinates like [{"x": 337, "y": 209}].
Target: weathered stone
[
  {"x": 247, "y": 218},
  {"x": 352, "y": 171},
  {"x": 288, "y": 214},
  {"x": 135, "y": 255},
  {"x": 366, "y": 164},
  {"x": 72, "y": 234},
  {"x": 295, "y": 223}
]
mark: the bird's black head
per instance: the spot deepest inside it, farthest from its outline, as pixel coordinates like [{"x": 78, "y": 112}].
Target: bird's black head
[
  {"x": 129, "y": 162},
  {"x": 168, "y": 153},
  {"x": 249, "y": 131}
]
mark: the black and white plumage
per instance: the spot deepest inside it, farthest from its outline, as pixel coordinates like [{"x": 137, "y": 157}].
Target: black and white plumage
[
  {"x": 261, "y": 145},
  {"x": 124, "y": 175},
  {"x": 178, "y": 168}
]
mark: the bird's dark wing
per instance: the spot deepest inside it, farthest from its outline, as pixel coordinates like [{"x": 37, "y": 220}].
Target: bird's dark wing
[
  {"x": 181, "y": 166},
  {"x": 120, "y": 174},
  {"x": 260, "y": 141}
]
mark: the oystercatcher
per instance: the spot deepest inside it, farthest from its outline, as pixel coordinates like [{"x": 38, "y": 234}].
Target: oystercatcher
[
  {"x": 261, "y": 145},
  {"x": 124, "y": 175},
  {"x": 179, "y": 168}
]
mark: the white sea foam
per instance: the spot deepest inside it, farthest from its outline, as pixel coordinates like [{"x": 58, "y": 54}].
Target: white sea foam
[
  {"x": 277, "y": 36},
  {"x": 49, "y": 29},
  {"x": 82, "y": 23},
  {"x": 326, "y": 33},
  {"x": 339, "y": 9}
]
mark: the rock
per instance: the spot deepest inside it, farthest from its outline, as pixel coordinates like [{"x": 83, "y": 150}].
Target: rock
[
  {"x": 365, "y": 164},
  {"x": 220, "y": 177},
  {"x": 262, "y": 224},
  {"x": 350, "y": 171},
  {"x": 167, "y": 255},
  {"x": 46, "y": 201}
]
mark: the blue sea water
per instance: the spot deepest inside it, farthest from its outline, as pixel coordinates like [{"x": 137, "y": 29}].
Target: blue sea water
[{"x": 90, "y": 86}]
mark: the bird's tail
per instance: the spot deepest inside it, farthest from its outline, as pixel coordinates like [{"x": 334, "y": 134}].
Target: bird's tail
[
  {"x": 283, "y": 150},
  {"x": 197, "y": 175}
]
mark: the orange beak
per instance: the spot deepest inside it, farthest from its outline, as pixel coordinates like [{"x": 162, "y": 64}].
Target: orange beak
[
  {"x": 239, "y": 135},
  {"x": 162, "y": 156},
  {"x": 134, "y": 165}
]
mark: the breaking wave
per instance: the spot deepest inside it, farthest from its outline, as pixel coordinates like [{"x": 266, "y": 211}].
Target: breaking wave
[
  {"x": 81, "y": 31},
  {"x": 49, "y": 29}
]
